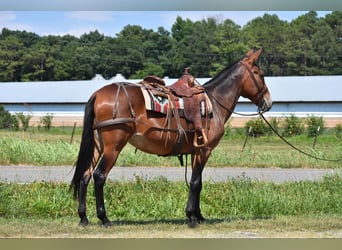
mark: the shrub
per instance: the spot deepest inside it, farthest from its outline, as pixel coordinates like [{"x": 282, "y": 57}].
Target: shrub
[
  {"x": 258, "y": 127},
  {"x": 14, "y": 123},
  {"x": 293, "y": 126},
  {"x": 46, "y": 121},
  {"x": 7, "y": 120},
  {"x": 24, "y": 120},
  {"x": 274, "y": 122},
  {"x": 313, "y": 122},
  {"x": 338, "y": 131}
]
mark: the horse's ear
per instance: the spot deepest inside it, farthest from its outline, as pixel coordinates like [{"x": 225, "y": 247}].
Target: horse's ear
[
  {"x": 249, "y": 53},
  {"x": 253, "y": 55},
  {"x": 257, "y": 54}
]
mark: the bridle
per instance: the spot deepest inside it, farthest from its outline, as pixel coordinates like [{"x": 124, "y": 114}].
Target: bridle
[
  {"x": 259, "y": 95},
  {"x": 261, "y": 92}
]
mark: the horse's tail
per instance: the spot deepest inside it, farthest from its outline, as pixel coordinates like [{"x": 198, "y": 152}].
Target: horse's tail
[{"x": 86, "y": 152}]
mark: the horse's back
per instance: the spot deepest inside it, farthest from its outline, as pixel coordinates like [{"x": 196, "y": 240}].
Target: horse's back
[{"x": 117, "y": 100}]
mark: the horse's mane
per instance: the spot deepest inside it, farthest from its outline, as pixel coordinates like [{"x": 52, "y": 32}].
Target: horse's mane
[{"x": 228, "y": 71}]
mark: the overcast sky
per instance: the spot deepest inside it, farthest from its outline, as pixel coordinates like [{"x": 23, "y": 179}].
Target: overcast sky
[{"x": 110, "y": 23}]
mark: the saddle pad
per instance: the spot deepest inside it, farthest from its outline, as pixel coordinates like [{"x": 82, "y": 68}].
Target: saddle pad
[{"x": 160, "y": 104}]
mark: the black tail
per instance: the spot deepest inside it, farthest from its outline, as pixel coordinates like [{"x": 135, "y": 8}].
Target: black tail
[{"x": 86, "y": 152}]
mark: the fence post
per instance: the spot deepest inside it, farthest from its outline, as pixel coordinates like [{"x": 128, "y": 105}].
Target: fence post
[
  {"x": 73, "y": 132},
  {"x": 315, "y": 139},
  {"x": 247, "y": 136}
]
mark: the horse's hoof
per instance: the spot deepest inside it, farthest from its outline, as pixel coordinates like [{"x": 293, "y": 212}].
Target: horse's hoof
[
  {"x": 84, "y": 222},
  {"x": 201, "y": 219},
  {"x": 107, "y": 224},
  {"x": 193, "y": 224},
  {"x": 195, "y": 221}
]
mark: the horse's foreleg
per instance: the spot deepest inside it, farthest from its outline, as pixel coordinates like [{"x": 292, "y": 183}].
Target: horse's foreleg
[{"x": 193, "y": 210}]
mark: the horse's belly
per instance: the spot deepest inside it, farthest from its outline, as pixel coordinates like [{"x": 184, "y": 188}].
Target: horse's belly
[{"x": 161, "y": 144}]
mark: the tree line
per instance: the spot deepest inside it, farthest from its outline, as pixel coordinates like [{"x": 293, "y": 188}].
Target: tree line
[{"x": 308, "y": 45}]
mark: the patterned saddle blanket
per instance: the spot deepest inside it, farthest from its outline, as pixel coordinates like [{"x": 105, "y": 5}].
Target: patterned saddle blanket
[{"x": 161, "y": 103}]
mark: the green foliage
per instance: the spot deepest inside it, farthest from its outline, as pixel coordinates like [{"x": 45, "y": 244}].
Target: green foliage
[
  {"x": 53, "y": 148},
  {"x": 149, "y": 69},
  {"x": 338, "y": 131},
  {"x": 5, "y": 118},
  {"x": 17, "y": 150},
  {"x": 46, "y": 121},
  {"x": 275, "y": 123},
  {"x": 307, "y": 45},
  {"x": 258, "y": 127},
  {"x": 7, "y": 121},
  {"x": 293, "y": 126},
  {"x": 24, "y": 120},
  {"x": 313, "y": 123}
]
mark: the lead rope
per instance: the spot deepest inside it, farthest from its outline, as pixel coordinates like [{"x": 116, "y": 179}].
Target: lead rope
[
  {"x": 294, "y": 147},
  {"x": 186, "y": 172},
  {"x": 260, "y": 113}
]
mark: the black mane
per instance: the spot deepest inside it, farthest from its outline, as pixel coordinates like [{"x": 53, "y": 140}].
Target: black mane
[{"x": 223, "y": 75}]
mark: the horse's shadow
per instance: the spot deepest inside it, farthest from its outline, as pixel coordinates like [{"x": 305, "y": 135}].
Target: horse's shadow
[{"x": 210, "y": 221}]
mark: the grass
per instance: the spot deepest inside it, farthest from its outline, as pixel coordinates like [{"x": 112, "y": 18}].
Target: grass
[
  {"x": 54, "y": 148},
  {"x": 161, "y": 199},
  {"x": 239, "y": 207}
]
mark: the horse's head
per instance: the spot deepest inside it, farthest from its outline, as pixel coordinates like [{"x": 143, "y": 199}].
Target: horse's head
[{"x": 254, "y": 86}]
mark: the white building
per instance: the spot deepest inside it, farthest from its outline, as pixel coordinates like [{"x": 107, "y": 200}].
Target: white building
[{"x": 302, "y": 96}]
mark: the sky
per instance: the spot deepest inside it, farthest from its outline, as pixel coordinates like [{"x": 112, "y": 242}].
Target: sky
[{"x": 110, "y": 23}]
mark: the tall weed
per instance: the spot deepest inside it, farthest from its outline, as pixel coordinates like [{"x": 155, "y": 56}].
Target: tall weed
[
  {"x": 54, "y": 148},
  {"x": 17, "y": 151}
]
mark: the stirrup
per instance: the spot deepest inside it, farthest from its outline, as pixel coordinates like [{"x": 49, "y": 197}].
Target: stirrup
[{"x": 203, "y": 137}]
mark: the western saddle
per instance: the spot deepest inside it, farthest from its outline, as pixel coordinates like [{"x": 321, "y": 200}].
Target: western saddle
[{"x": 193, "y": 97}]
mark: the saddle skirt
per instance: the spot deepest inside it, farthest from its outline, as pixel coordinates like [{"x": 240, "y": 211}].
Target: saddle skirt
[{"x": 159, "y": 102}]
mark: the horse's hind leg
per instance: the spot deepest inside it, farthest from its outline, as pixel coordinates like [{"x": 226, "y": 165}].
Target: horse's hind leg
[
  {"x": 113, "y": 142},
  {"x": 83, "y": 186},
  {"x": 82, "y": 196}
]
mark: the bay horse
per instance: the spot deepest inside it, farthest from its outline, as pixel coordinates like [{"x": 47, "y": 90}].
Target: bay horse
[{"x": 116, "y": 115}]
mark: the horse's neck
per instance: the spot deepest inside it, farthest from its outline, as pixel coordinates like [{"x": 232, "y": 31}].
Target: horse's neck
[{"x": 226, "y": 95}]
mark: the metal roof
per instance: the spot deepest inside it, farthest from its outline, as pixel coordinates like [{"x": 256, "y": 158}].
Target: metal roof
[
  {"x": 283, "y": 89},
  {"x": 305, "y": 88}
]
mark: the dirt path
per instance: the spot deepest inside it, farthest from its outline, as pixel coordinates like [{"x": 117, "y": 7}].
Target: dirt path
[{"x": 24, "y": 174}]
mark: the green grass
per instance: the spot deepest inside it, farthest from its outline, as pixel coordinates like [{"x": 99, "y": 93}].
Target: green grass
[
  {"x": 54, "y": 148},
  {"x": 162, "y": 199},
  {"x": 156, "y": 208},
  {"x": 239, "y": 207}
]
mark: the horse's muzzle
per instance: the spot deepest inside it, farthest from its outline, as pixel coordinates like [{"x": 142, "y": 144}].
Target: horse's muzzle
[{"x": 265, "y": 104}]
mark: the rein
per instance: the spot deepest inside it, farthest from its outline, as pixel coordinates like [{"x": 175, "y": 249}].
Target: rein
[
  {"x": 260, "y": 95},
  {"x": 276, "y": 132},
  {"x": 231, "y": 110},
  {"x": 294, "y": 147}
]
